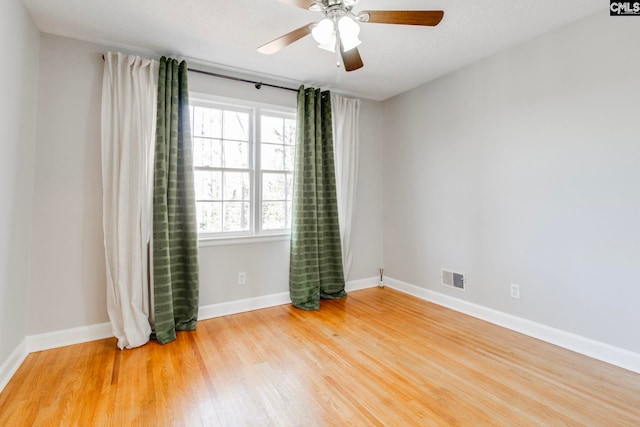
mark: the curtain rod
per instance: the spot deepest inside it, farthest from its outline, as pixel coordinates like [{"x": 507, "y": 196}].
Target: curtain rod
[{"x": 256, "y": 84}]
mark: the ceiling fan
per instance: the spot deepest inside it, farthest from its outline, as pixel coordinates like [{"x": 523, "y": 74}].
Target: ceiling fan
[{"x": 338, "y": 30}]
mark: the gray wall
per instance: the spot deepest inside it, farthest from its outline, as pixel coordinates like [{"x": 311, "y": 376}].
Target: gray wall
[
  {"x": 68, "y": 285},
  {"x": 524, "y": 168},
  {"x": 19, "y": 45},
  {"x": 67, "y": 282}
]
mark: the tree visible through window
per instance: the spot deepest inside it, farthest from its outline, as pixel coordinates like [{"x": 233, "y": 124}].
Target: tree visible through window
[{"x": 243, "y": 161}]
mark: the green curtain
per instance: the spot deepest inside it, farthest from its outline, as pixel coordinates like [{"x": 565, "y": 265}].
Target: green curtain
[
  {"x": 175, "y": 241},
  {"x": 315, "y": 270}
]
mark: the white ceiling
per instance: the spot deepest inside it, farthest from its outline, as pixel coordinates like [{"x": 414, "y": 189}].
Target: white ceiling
[{"x": 226, "y": 33}]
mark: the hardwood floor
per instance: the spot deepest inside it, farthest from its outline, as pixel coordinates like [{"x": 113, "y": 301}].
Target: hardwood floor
[{"x": 379, "y": 357}]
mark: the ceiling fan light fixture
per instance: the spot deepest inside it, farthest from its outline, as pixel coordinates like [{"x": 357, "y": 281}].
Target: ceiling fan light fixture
[
  {"x": 349, "y": 31},
  {"x": 330, "y": 45},
  {"x": 323, "y": 31}
]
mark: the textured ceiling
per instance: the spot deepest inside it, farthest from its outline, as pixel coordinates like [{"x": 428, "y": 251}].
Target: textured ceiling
[{"x": 226, "y": 34}]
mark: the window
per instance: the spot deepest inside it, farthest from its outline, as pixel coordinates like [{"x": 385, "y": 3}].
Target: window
[{"x": 243, "y": 167}]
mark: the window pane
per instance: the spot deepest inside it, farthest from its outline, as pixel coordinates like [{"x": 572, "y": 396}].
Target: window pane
[
  {"x": 208, "y": 185},
  {"x": 236, "y": 216},
  {"x": 209, "y": 216},
  {"x": 236, "y": 186},
  {"x": 273, "y": 215},
  {"x": 273, "y": 186},
  {"x": 236, "y": 154},
  {"x": 271, "y": 129},
  {"x": 289, "y": 193},
  {"x": 236, "y": 125},
  {"x": 207, "y": 152},
  {"x": 272, "y": 157},
  {"x": 207, "y": 122},
  {"x": 289, "y": 157},
  {"x": 290, "y": 132}
]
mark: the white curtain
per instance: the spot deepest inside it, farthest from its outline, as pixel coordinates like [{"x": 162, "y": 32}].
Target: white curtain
[
  {"x": 129, "y": 93},
  {"x": 346, "y": 137}
]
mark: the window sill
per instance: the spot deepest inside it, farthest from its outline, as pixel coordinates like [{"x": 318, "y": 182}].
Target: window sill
[{"x": 204, "y": 242}]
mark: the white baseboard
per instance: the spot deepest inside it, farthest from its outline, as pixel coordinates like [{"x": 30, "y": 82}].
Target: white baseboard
[
  {"x": 13, "y": 362},
  {"x": 65, "y": 337},
  {"x": 243, "y": 305},
  {"x": 356, "y": 285},
  {"x": 607, "y": 353},
  {"x": 266, "y": 301}
]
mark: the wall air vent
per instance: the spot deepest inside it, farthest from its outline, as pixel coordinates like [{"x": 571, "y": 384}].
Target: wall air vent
[{"x": 452, "y": 279}]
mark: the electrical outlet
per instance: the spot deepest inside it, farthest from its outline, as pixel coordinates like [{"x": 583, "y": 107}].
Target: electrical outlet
[
  {"x": 242, "y": 278},
  {"x": 515, "y": 291}
]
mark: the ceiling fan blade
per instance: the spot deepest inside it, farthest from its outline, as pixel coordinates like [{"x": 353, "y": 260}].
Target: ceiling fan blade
[
  {"x": 283, "y": 41},
  {"x": 429, "y": 18},
  {"x": 305, "y": 4},
  {"x": 351, "y": 59}
]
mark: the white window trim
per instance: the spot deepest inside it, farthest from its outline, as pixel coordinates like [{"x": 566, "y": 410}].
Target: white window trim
[
  {"x": 205, "y": 242},
  {"x": 256, "y": 234}
]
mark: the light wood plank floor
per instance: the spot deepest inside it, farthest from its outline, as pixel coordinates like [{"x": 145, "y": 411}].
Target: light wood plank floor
[{"x": 379, "y": 357}]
